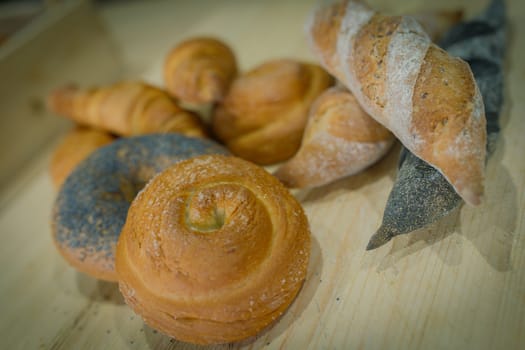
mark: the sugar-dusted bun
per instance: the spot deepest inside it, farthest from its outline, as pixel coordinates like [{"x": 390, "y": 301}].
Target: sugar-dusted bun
[
  {"x": 214, "y": 249},
  {"x": 262, "y": 118},
  {"x": 78, "y": 143},
  {"x": 340, "y": 139},
  {"x": 200, "y": 70}
]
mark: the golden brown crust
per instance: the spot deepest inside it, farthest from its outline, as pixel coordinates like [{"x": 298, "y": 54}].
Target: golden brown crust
[
  {"x": 327, "y": 21},
  {"x": 262, "y": 118},
  {"x": 443, "y": 110},
  {"x": 214, "y": 249},
  {"x": 78, "y": 143},
  {"x": 340, "y": 139},
  {"x": 126, "y": 108},
  {"x": 371, "y": 44},
  {"x": 338, "y": 111},
  {"x": 200, "y": 70},
  {"x": 389, "y": 63}
]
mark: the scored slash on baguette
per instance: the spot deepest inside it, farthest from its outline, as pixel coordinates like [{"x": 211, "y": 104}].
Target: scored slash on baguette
[{"x": 426, "y": 97}]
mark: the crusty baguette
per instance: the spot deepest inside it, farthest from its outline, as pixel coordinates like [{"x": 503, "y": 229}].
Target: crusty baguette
[
  {"x": 426, "y": 97},
  {"x": 263, "y": 116},
  {"x": 125, "y": 109},
  {"x": 340, "y": 139}
]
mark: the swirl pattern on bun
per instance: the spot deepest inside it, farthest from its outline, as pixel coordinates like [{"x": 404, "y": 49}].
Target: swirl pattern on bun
[{"x": 214, "y": 249}]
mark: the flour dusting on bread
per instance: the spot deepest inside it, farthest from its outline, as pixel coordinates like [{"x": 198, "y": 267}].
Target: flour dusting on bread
[
  {"x": 327, "y": 158},
  {"x": 425, "y": 96},
  {"x": 406, "y": 52},
  {"x": 356, "y": 16}
]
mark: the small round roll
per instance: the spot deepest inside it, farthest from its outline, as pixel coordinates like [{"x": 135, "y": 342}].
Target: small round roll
[
  {"x": 263, "y": 117},
  {"x": 200, "y": 70},
  {"x": 214, "y": 249},
  {"x": 78, "y": 143},
  {"x": 93, "y": 202}
]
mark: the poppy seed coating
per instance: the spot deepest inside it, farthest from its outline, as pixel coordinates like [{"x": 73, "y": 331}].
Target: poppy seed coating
[{"x": 92, "y": 205}]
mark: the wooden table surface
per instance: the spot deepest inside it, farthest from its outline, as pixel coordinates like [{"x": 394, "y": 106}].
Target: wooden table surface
[{"x": 459, "y": 284}]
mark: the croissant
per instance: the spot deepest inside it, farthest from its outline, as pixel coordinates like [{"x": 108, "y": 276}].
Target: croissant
[
  {"x": 125, "y": 109},
  {"x": 78, "y": 143},
  {"x": 200, "y": 70},
  {"x": 262, "y": 119},
  {"x": 213, "y": 250},
  {"x": 340, "y": 139},
  {"x": 427, "y": 98}
]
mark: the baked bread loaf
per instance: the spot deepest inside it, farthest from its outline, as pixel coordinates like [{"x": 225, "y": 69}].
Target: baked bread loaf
[
  {"x": 125, "y": 109},
  {"x": 214, "y": 249},
  {"x": 200, "y": 70},
  {"x": 78, "y": 143},
  {"x": 262, "y": 119},
  {"x": 427, "y": 98},
  {"x": 340, "y": 139}
]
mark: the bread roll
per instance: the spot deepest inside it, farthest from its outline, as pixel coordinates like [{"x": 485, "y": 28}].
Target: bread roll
[
  {"x": 78, "y": 143},
  {"x": 214, "y": 249},
  {"x": 200, "y": 70},
  {"x": 263, "y": 117},
  {"x": 340, "y": 139},
  {"x": 426, "y": 97}
]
